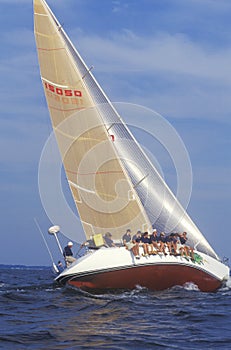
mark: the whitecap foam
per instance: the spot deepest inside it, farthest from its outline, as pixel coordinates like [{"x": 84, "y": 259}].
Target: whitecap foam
[
  {"x": 227, "y": 285},
  {"x": 191, "y": 286}
]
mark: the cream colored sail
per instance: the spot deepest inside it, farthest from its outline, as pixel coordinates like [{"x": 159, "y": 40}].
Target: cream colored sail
[
  {"x": 104, "y": 195},
  {"x": 114, "y": 184}
]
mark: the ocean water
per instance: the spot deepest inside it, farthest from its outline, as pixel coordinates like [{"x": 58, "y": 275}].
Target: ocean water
[{"x": 35, "y": 314}]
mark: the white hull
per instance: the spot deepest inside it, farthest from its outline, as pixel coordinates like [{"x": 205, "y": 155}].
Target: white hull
[{"x": 117, "y": 268}]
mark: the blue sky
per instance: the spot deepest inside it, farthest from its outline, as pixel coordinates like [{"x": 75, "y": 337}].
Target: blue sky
[{"x": 172, "y": 56}]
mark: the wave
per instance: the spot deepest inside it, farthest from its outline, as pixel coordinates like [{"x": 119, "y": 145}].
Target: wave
[
  {"x": 228, "y": 283},
  {"x": 190, "y": 286},
  {"x": 24, "y": 267},
  {"x": 137, "y": 294},
  {"x": 227, "y": 286},
  {"x": 27, "y": 338}
]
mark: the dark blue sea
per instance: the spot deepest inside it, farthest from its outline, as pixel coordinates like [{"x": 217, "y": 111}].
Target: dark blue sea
[{"x": 36, "y": 314}]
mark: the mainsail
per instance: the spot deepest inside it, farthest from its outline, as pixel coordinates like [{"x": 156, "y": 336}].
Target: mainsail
[{"x": 113, "y": 183}]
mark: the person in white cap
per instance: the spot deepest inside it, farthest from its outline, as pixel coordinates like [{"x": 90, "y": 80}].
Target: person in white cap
[{"x": 68, "y": 255}]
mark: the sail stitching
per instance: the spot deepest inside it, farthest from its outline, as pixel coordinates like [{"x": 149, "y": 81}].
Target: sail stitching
[
  {"x": 67, "y": 109},
  {"x": 97, "y": 172},
  {"x": 56, "y": 49}
]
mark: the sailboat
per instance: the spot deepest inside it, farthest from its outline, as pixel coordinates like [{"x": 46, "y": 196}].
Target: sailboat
[{"x": 114, "y": 184}]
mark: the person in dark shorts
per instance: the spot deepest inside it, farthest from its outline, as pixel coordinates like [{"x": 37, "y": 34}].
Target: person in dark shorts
[
  {"x": 162, "y": 243},
  {"x": 145, "y": 242},
  {"x": 130, "y": 244},
  {"x": 172, "y": 241},
  {"x": 154, "y": 242},
  {"x": 185, "y": 249}
]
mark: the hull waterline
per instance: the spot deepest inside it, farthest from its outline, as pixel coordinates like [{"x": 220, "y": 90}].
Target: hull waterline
[
  {"x": 154, "y": 272},
  {"x": 152, "y": 277}
]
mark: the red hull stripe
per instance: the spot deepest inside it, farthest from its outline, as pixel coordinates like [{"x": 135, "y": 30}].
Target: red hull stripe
[{"x": 153, "y": 277}]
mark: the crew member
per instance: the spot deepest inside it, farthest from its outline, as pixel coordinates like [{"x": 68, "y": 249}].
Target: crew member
[{"x": 68, "y": 255}]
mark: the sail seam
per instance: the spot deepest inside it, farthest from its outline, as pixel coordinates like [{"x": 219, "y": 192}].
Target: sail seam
[
  {"x": 40, "y": 14},
  {"x": 96, "y": 173},
  {"x": 57, "y": 49},
  {"x": 66, "y": 110}
]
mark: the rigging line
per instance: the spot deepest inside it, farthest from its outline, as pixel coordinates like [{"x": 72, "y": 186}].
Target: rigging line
[
  {"x": 44, "y": 240},
  {"x": 60, "y": 27},
  {"x": 110, "y": 126},
  {"x": 88, "y": 71},
  {"x": 139, "y": 182}
]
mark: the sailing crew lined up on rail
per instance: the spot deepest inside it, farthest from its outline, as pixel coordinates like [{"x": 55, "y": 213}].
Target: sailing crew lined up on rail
[{"x": 173, "y": 244}]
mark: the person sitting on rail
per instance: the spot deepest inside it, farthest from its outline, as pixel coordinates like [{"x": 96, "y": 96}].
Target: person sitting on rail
[
  {"x": 154, "y": 242},
  {"x": 129, "y": 244},
  {"x": 173, "y": 240},
  {"x": 162, "y": 243},
  {"x": 127, "y": 237},
  {"x": 167, "y": 240},
  {"x": 181, "y": 246},
  {"x": 145, "y": 242},
  {"x": 137, "y": 240},
  {"x": 108, "y": 240},
  {"x": 185, "y": 249},
  {"x": 137, "y": 237}
]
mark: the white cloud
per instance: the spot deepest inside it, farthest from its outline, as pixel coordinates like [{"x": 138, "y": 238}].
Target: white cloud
[
  {"x": 14, "y": 2},
  {"x": 118, "y": 6},
  {"x": 126, "y": 51},
  {"x": 195, "y": 80},
  {"x": 220, "y": 5}
]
